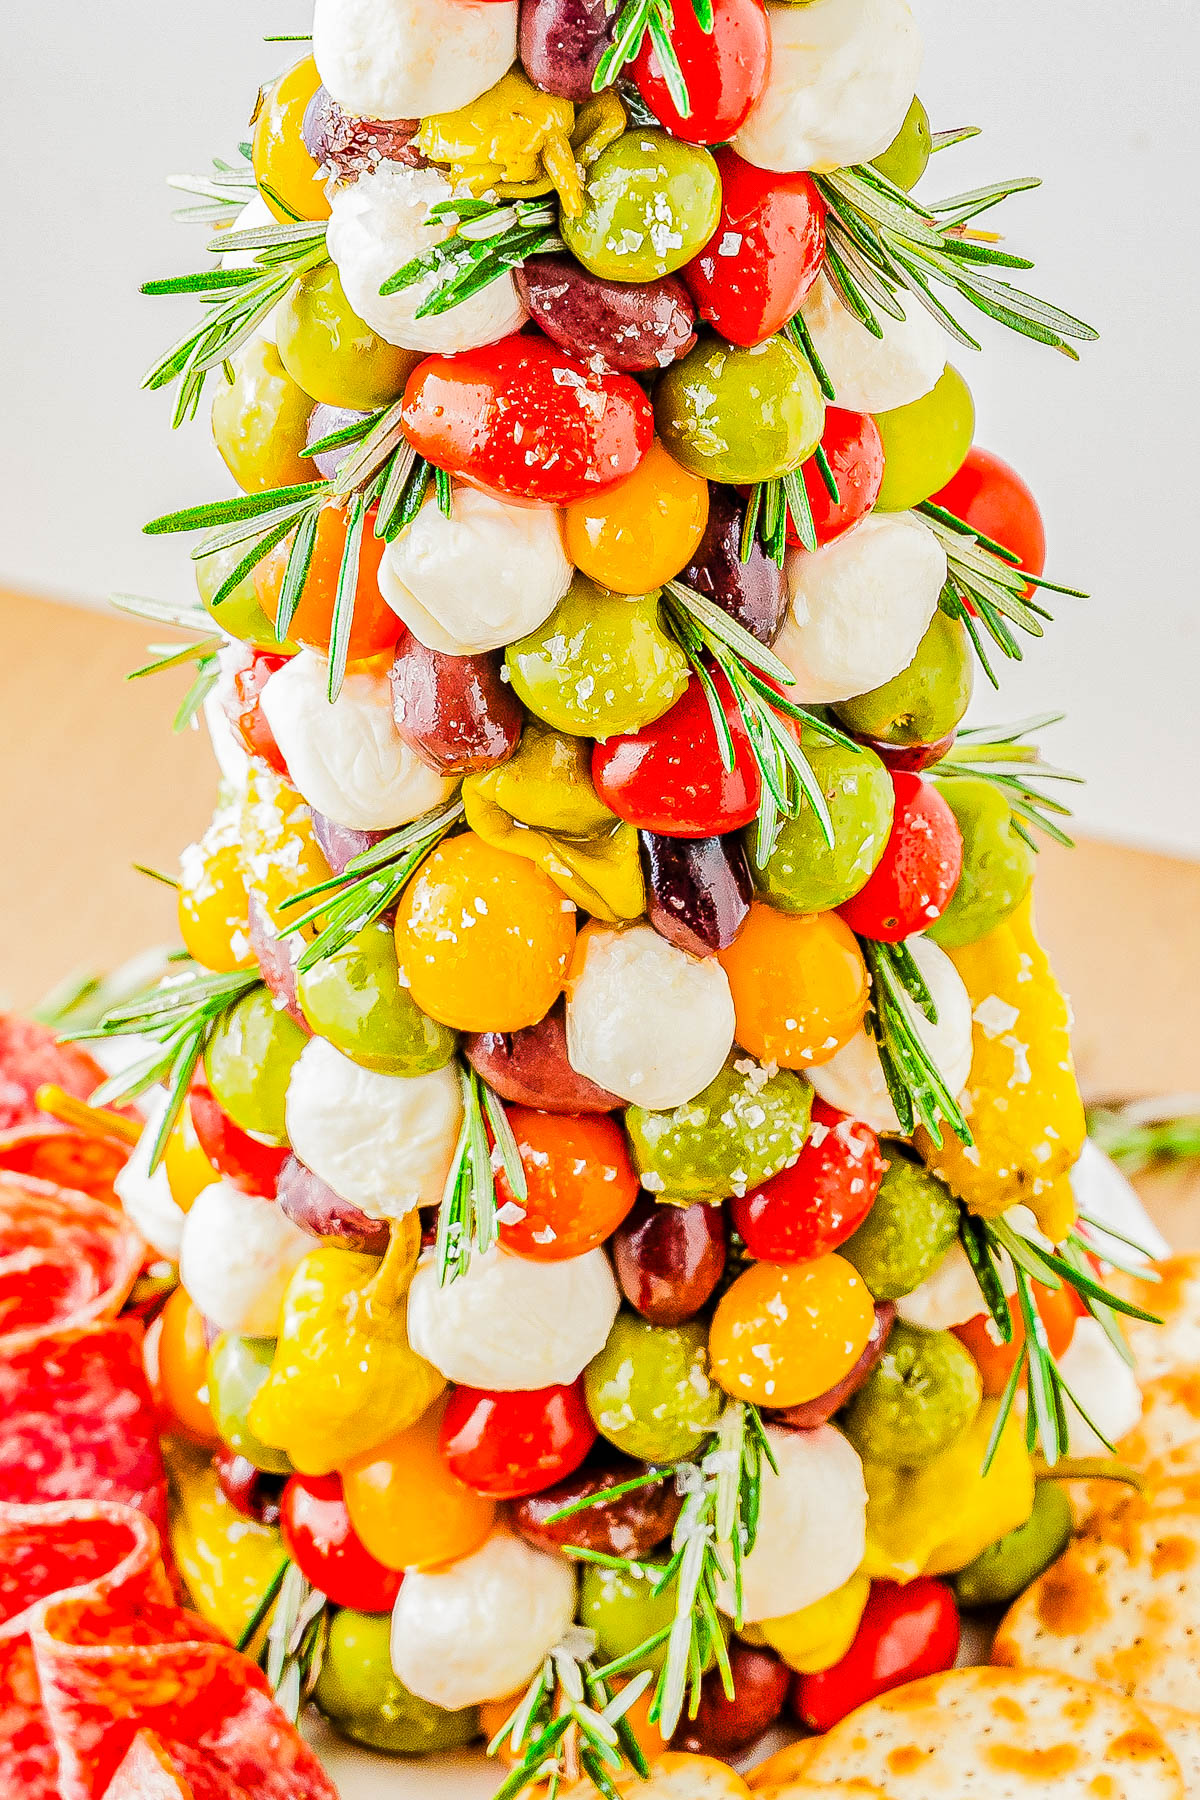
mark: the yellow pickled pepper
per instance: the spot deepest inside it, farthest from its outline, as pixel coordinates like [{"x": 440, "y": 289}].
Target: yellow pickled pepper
[
  {"x": 1022, "y": 1100},
  {"x": 226, "y": 1559},
  {"x": 820, "y": 1634},
  {"x": 514, "y": 141},
  {"x": 344, "y": 1376}
]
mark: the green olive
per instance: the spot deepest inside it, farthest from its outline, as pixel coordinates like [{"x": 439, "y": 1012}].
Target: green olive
[
  {"x": 737, "y": 415},
  {"x": 912, "y": 1223},
  {"x": 649, "y": 1390},
  {"x": 997, "y": 863},
  {"x": 600, "y": 665},
  {"x": 925, "y": 442},
  {"x": 237, "y": 1368},
  {"x": 926, "y": 700},
  {"x": 332, "y": 353},
  {"x": 906, "y": 157},
  {"x": 359, "y": 1694},
  {"x": 623, "y": 1610},
  {"x": 649, "y": 205},
  {"x": 355, "y": 999},
  {"x": 921, "y": 1395},
  {"x": 804, "y": 874},
  {"x": 249, "y": 1063},
  {"x": 1006, "y": 1568},
  {"x": 260, "y": 421},
  {"x": 240, "y": 613},
  {"x": 739, "y": 1130}
]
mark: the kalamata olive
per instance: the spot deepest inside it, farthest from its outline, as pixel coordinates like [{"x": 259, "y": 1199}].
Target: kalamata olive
[
  {"x": 630, "y": 1526},
  {"x": 812, "y": 1413},
  {"x": 276, "y": 956},
  {"x": 910, "y": 759},
  {"x": 252, "y": 1491},
  {"x": 530, "y": 1068},
  {"x": 752, "y": 592},
  {"x": 631, "y": 326},
  {"x": 454, "y": 711},
  {"x": 561, "y": 41},
  {"x": 353, "y": 146},
  {"x": 669, "y": 1258},
  {"x": 722, "y": 1726},
  {"x": 698, "y": 890},
  {"x": 323, "y": 421},
  {"x": 312, "y": 1205},
  {"x": 341, "y": 843}
]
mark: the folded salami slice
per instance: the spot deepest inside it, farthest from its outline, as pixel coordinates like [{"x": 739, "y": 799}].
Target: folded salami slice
[{"x": 33, "y": 1143}]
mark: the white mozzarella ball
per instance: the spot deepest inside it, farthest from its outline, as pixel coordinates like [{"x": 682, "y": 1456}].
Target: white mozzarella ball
[
  {"x": 812, "y": 1525},
  {"x": 950, "y": 1296},
  {"x": 1106, "y": 1387},
  {"x": 842, "y": 77},
  {"x": 237, "y": 1255},
  {"x": 252, "y": 216},
  {"x": 853, "y": 1080},
  {"x": 400, "y": 59},
  {"x": 348, "y": 760},
  {"x": 869, "y": 373},
  {"x": 383, "y": 1142},
  {"x": 479, "y": 579},
  {"x": 644, "y": 1019},
  {"x": 1109, "y": 1198},
  {"x": 510, "y": 1324},
  {"x": 860, "y": 607},
  {"x": 380, "y": 222},
  {"x": 478, "y": 1628},
  {"x": 147, "y": 1198}
]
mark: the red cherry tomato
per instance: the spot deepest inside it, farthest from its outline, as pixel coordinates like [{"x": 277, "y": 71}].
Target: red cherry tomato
[
  {"x": 918, "y": 872},
  {"x": 818, "y": 1201},
  {"x": 725, "y": 70},
  {"x": 906, "y": 1632},
  {"x": 327, "y": 1550},
  {"x": 524, "y": 420},
  {"x": 252, "y": 1166},
  {"x": 854, "y": 450},
  {"x": 990, "y": 497},
  {"x": 242, "y": 709},
  {"x": 764, "y": 255},
  {"x": 1058, "y": 1310},
  {"x": 581, "y": 1183},
  {"x": 509, "y": 1445},
  {"x": 669, "y": 776}
]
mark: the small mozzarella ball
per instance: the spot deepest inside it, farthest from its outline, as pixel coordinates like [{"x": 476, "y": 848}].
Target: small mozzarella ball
[
  {"x": 644, "y": 1019},
  {"x": 147, "y": 1198},
  {"x": 510, "y": 1324},
  {"x": 348, "y": 760},
  {"x": 380, "y": 222},
  {"x": 860, "y": 607},
  {"x": 400, "y": 59},
  {"x": 1109, "y": 1198},
  {"x": 1107, "y": 1389},
  {"x": 842, "y": 77},
  {"x": 478, "y": 1628},
  {"x": 869, "y": 373},
  {"x": 479, "y": 579},
  {"x": 254, "y": 214},
  {"x": 853, "y": 1080},
  {"x": 231, "y": 758},
  {"x": 236, "y": 1257},
  {"x": 812, "y": 1525},
  {"x": 382, "y": 1142}
]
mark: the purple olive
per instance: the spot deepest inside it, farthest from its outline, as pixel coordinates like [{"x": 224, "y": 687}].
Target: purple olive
[
  {"x": 323, "y": 421},
  {"x": 454, "y": 711},
  {"x": 698, "y": 890},
  {"x": 752, "y": 592},
  {"x": 353, "y": 146},
  {"x": 341, "y": 843},
  {"x": 312, "y": 1204},
  {"x": 910, "y": 758},
  {"x": 253, "y": 1492},
  {"x": 560, "y": 43},
  {"x": 723, "y": 1727},
  {"x": 530, "y": 1068},
  {"x": 669, "y": 1259},
  {"x": 811, "y": 1413},
  {"x": 276, "y": 956},
  {"x": 630, "y": 326},
  {"x": 630, "y": 1526}
]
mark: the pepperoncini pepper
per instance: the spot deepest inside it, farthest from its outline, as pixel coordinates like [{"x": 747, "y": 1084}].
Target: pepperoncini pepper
[
  {"x": 344, "y": 1376},
  {"x": 541, "y": 804},
  {"x": 819, "y": 1635},
  {"x": 513, "y": 141},
  {"x": 226, "y": 1559},
  {"x": 1022, "y": 1100}
]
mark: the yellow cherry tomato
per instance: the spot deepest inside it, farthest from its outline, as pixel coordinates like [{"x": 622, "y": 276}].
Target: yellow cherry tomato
[
  {"x": 180, "y": 1378},
  {"x": 483, "y": 937},
  {"x": 641, "y": 532},
  {"x": 819, "y": 1635},
  {"x": 189, "y": 1171},
  {"x": 279, "y": 849},
  {"x": 289, "y": 179},
  {"x": 784, "y": 1333},
  {"x": 799, "y": 985},
  {"x": 407, "y": 1507},
  {"x": 214, "y": 907}
]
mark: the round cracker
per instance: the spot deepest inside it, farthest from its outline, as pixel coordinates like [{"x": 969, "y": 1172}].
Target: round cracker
[
  {"x": 787, "y": 1764},
  {"x": 1182, "y": 1732},
  {"x": 675, "y": 1775},
  {"x": 1175, "y": 1297},
  {"x": 804, "y": 1789},
  {"x": 1170, "y": 1418}
]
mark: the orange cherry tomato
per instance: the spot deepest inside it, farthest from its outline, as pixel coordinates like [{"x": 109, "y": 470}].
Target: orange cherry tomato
[
  {"x": 375, "y": 626},
  {"x": 407, "y": 1507},
  {"x": 1058, "y": 1312},
  {"x": 289, "y": 179},
  {"x": 634, "y": 536},
  {"x": 785, "y": 1333},
  {"x": 181, "y": 1388},
  {"x": 799, "y": 985},
  {"x": 581, "y": 1183}
]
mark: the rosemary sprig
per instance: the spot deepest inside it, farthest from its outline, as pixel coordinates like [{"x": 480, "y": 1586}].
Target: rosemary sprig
[
  {"x": 201, "y": 650},
  {"x": 899, "y": 996},
  {"x": 1148, "y": 1133},
  {"x": 635, "y": 19},
  {"x": 489, "y": 238},
  {"x": 767, "y": 509},
  {"x": 567, "y": 1723},
  {"x": 1000, "y": 754},
  {"x": 467, "y": 1216},
  {"x": 294, "y": 1647},
  {"x": 223, "y": 192}
]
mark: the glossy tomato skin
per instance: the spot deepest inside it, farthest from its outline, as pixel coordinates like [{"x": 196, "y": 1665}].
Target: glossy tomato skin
[
  {"x": 990, "y": 497},
  {"x": 817, "y": 1202},
  {"x": 669, "y": 777},
  {"x": 764, "y": 255},
  {"x": 1058, "y": 1309},
  {"x": 725, "y": 70},
  {"x": 854, "y": 450},
  {"x": 240, "y": 1158},
  {"x": 326, "y": 1548},
  {"x": 917, "y": 874},
  {"x": 513, "y": 1444},
  {"x": 906, "y": 1632},
  {"x": 525, "y": 420},
  {"x": 242, "y": 709}
]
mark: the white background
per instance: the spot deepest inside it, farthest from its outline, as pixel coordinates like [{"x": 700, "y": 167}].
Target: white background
[{"x": 1095, "y": 95}]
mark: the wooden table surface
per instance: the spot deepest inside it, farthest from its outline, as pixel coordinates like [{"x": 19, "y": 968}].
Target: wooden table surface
[{"x": 93, "y": 781}]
